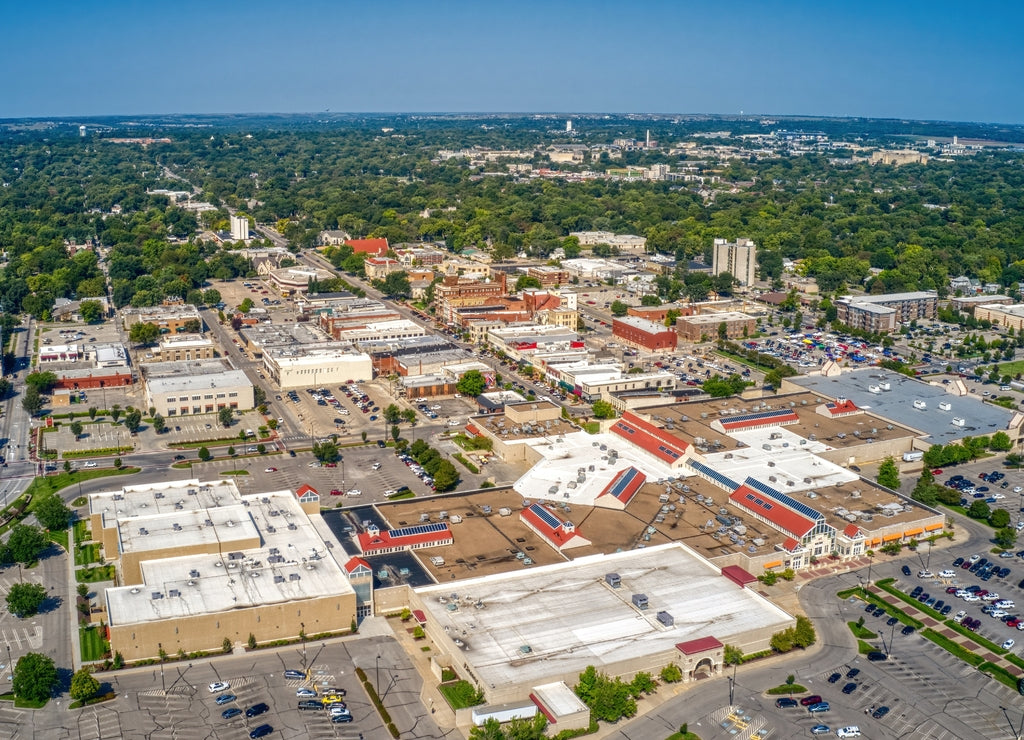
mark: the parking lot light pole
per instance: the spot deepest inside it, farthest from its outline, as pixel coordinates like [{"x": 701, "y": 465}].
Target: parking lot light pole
[
  {"x": 376, "y": 681},
  {"x": 1018, "y": 732}
]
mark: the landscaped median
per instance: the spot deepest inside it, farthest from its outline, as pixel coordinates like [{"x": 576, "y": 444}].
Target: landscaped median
[{"x": 1001, "y": 673}]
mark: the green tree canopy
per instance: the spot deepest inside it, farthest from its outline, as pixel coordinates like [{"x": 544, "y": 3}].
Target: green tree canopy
[
  {"x": 325, "y": 452},
  {"x": 472, "y": 383},
  {"x": 53, "y": 514},
  {"x": 394, "y": 285},
  {"x": 91, "y": 311},
  {"x": 446, "y": 477},
  {"x": 35, "y": 677},
  {"x": 144, "y": 333},
  {"x": 204, "y": 454},
  {"x": 32, "y": 401},
  {"x": 719, "y": 387},
  {"x": 392, "y": 413},
  {"x": 603, "y": 410},
  {"x": 84, "y": 685},
  {"x": 618, "y": 308},
  {"x": 133, "y": 420},
  {"x": 27, "y": 543},
  {"x": 41, "y": 381},
  {"x": 527, "y": 281},
  {"x": 24, "y": 599},
  {"x": 225, "y": 416},
  {"x": 889, "y": 474}
]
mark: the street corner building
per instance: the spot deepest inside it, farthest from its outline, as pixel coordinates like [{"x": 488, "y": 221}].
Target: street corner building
[{"x": 199, "y": 563}]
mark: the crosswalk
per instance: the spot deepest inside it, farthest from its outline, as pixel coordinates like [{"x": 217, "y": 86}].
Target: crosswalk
[{"x": 99, "y": 723}]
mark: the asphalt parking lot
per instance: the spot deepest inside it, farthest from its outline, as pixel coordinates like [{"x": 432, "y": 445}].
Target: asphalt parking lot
[{"x": 175, "y": 701}]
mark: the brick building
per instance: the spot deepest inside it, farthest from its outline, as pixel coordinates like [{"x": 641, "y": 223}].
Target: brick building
[
  {"x": 737, "y": 325},
  {"x": 643, "y": 334}
]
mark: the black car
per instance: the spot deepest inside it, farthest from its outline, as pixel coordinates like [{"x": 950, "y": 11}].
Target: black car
[
  {"x": 834, "y": 677},
  {"x": 880, "y": 712},
  {"x": 891, "y": 621},
  {"x": 946, "y": 610},
  {"x": 876, "y": 655},
  {"x": 784, "y": 703},
  {"x": 906, "y": 570},
  {"x": 380, "y": 443},
  {"x": 958, "y": 562},
  {"x": 229, "y": 713},
  {"x": 257, "y": 709},
  {"x": 311, "y": 705},
  {"x": 179, "y": 457},
  {"x": 908, "y": 630},
  {"x": 870, "y": 608},
  {"x": 261, "y": 731},
  {"x": 849, "y": 688},
  {"x": 1004, "y": 572},
  {"x": 853, "y": 672}
]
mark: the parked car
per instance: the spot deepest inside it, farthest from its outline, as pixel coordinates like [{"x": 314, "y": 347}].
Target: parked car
[
  {"x": 256, "y": 709},
  {"x": 293, "y": 674},
  {"x": 218, "y": 686},
  {"x": 880, "y": 712},
  {"x": 808, "y": 700},
  {"x": 225, "y": 699},
  {"x": 261, "y": 731},
  {"x": 232, "y": 712},
  {"x": 849, "y": 688}
]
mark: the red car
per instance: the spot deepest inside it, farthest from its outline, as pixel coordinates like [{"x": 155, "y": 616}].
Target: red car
[
  {"x": 336, "y": 492},
  {"x": 330, "y": 465},
  {"x": 937, "y": 471},
  {"x": 808, "y": 700}
]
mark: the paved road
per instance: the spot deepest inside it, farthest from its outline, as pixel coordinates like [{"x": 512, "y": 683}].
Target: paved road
[
  {"x": 16, "y": 425},
  {"x": 931, "y": 693}
]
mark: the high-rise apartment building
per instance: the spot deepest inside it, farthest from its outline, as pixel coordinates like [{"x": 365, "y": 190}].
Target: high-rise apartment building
[
  {"x": 738, "y": 258},
  {"x": 239, "y": 228}
]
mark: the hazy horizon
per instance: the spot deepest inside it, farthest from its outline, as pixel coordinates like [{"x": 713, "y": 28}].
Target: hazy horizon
[{"x": 912, "y": 60}]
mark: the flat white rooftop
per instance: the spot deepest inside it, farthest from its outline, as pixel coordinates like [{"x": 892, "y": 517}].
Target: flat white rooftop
[
  {"x": 790, "y": 460},
  {"x": 160, "y": 498},
  {"x": 569, "y": 618},
  {"x": 291, "y": 564},
  {"x": 218, "y": 528},
  {"x": 565, "y": 455}
]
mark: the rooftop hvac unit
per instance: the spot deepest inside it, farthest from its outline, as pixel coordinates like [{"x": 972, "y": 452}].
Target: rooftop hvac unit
[
  {"x": 666, "y": 619},
  {"x": 613, "y": 580}
]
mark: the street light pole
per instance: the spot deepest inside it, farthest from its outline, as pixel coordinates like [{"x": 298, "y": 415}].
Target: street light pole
[
  {"x": 376, "y": 681},
  {"x": 302, "y": 635}
]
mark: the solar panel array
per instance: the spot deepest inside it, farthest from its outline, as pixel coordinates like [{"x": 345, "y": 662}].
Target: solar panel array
[
  {"x": 546, "y": 516},
  {"x": 727, "y": 483},
  {"x": 792, "y": 503},
  {"x": 623, "y": 480},
  {"x": 779, "y": 414},
  {"x": 418, "y": 529},
  {"x": 759, "y": 502}
]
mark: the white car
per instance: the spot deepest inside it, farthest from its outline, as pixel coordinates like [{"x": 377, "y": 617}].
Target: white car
[
  {"x": 89, "y": 464},
  {"x": 925, "y": 574},
  {"x": 947, "y": 574},
  {"x": 376, "y": 466},
  {"x": 976, "y": 558},
  {"x": 991, "y": 596},
  {"x": 1017, "y": 489},
  {"x": 998, "y": 496},
  {"x": 971, "y": 598},
  {"x": 1005, "y": 604},
  {"x": 354, "y": 492},
  {"x": 960, "y": 616},
  {"x": 1008, "y": 644},
  {"x": 218, "y": 686},
  {"x": 852, "y": 731},
  {"x": 997, "y": 613}
]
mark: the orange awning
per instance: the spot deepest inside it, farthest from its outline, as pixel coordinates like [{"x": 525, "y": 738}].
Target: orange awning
[
  {"x": 891, "y": 537},
  {"x": 913, "y": 532},
  {"x": 933, "y": 527},
  {"x": 773, "y": 564}
]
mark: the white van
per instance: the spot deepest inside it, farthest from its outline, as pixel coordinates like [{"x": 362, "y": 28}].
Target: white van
[{"x": 852, "y": 731}]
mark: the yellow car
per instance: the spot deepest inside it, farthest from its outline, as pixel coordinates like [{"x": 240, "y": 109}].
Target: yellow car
[{"x": 331, "y": 699}]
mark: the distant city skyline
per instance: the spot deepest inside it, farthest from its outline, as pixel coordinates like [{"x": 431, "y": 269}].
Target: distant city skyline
[{"x": 931, "y": 61}]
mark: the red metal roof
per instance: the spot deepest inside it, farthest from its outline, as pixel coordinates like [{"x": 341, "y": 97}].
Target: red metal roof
[
  {"x": 845, "y": 406},
  {"x": 384, "y": 540},
  {"x": 624, "y": 485},
  {"x": 368, "y": 246},
  {"x": 419, "y": 616},
  {"x": 650, "y": 438},
  {"x": 778, "y": 515},
  {"x": 354, "y": 564},
  {"x": 737, "y": 575},
  {"x": 472, "y": 429},
  {"x": 851, "y": 531},
  {"x": 791, "y": 544},
  {"x": 304, "y": 489},
  {"x": 543, "y": 709},
  {"x": 534, "y": 515},
  {"x": 700, "y": 645}
]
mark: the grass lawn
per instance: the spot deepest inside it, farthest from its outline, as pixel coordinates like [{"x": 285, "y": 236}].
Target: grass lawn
[
  {"x": 460, "y": 694},
  {"x": 95, "y": 575},
  {"x": 42, "y": 486},
  {"x": 82, "y": 533},
  {"x": 93, "y": 644},
  {"x": 60, "y": 537},
  {"x": 786, "y": 688},
  {"x": 85, "y": 554},
  {"x": 862, "y": 632},
  {"x": 1011, "y": 368},
  {"x": 234, "y": 472}
]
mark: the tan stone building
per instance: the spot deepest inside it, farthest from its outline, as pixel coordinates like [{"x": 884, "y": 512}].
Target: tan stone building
[
  {"x": 178, "y": 347},
  {"x": 198, "y": 562},
  {"x": 737, "y": 325}
]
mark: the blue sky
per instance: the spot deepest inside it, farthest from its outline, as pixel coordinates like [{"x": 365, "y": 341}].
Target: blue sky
[{"x": 904, "y": 59}]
